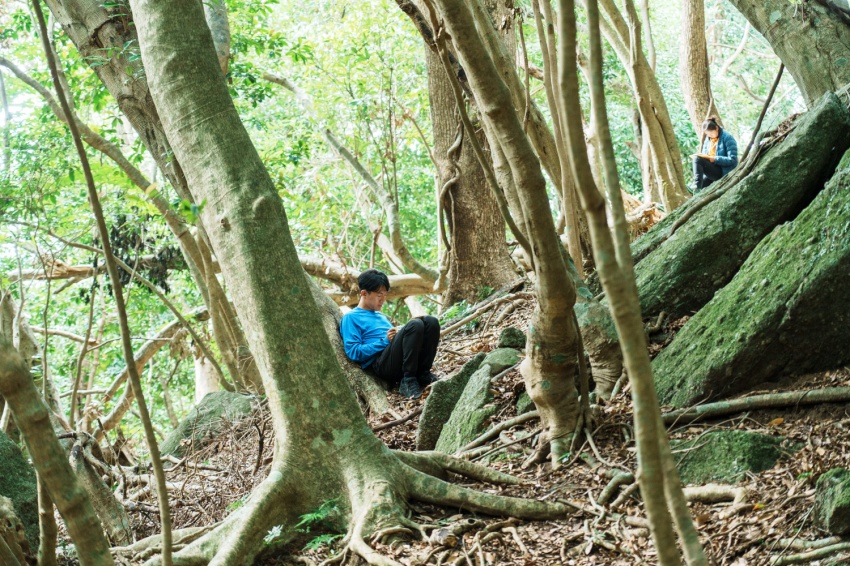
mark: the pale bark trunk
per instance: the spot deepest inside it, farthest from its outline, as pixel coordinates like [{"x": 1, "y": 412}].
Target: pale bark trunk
[
  {"x": 810, "y": 38},
  {"x": 479, "y": 254},
  {"x": 694, "y": 71},
  {"x": 206, "y": 380},
  {"x": 324, "y": 449}
]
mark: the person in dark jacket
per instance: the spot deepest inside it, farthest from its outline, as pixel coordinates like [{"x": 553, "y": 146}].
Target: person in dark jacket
[
  {"x": 718, "y": 156},
  {"x": 400, "y": 356}
]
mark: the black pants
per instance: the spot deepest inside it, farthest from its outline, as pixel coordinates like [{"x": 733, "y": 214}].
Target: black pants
[
  {"x": 705, "y": 172},
  {"x": 411, "y": 351}
]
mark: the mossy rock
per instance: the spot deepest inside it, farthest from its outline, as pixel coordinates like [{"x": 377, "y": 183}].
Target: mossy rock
[
  {"x": 785, "y": 312},
  {"x": 681, "y": 274},
  {"x": 441, "y": 402},
  {"x": 512, "y": 337},
  {"x": 209, "y": 418},
  {"x": 524, "y": 404},
  {"x": 832, "y": 501},
  {"x": 473, "y": 410},
  {"x": 501, "y": 359},
  {"x": 725, "y": 456},
  {"x": 17, "y": 482}
]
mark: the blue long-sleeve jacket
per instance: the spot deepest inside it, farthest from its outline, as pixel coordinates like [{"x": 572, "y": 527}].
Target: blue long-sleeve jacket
[
  {"x": 726, "y": 155},
  {"x": 364, "y": 335}
]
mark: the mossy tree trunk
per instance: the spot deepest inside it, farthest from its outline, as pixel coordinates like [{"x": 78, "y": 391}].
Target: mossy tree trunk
[{"x": 325, "y": 451}]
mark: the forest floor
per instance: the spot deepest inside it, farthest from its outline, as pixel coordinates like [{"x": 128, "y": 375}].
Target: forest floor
[{"x": 779, "y": 500}]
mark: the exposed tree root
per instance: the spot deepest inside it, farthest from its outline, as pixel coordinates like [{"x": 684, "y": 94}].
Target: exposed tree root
[
  {"x": 767, "y": 401},
  {"x": 810, "y": 556},
  {"x": 425, "y": 462},
  {"x": 715, "y": 493},
  {"x": 496, "y": 430},
  {"x": 618, "y": 479}
]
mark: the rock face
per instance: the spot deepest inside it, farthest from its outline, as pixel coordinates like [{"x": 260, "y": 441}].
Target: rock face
[
  {"x": 17, "y": 482},
  {"x": 524, "y": 404},
  {"x": 207, "y": 420},
  {"x": 441, "y": 402},
  {"x": 681, "y": 274},
  {"x": 512, "y": 337},
  {"x": 501, "y": 359},
  {"x": 724, "y": 456},
  {"x": 832, "y": 501},
  {"x": 786, "y": 311},
  {"x": 473, "y": 410},
  {"x": 12, "y": 532}
]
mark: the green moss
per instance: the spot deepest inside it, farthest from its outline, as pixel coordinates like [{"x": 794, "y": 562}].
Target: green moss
[
  {"x": 832, "y": 501},
  {"x": 471, "y": 413},
  {"x": 501, "y": 359},
  {"x": 441, "y": 402},
  {"x": 17, "y": 482},
  {"x": 724, "y": 456},
  {"x": 786, "y": 311},
  {"x": 512, "y": 337},
  {"x": 524, "y": 404}
]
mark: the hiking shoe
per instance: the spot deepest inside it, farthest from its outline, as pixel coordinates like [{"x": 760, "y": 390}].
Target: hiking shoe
[
  {"x": 427, "y": 379},
  {"x": 409, "y": 387}
]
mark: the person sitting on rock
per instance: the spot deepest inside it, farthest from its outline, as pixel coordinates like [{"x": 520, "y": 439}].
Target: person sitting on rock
[
  {"x": 719, "y": 155},
  {"x": 402, "y": 356}
]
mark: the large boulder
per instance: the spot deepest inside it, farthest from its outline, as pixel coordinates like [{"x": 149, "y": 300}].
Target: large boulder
[
  {"x": 209, "y": 418},
  {"x": 787, "y": 310},
  {"x": 471, "y": 414},
  {"x": 832, "y": 501},
  {"x": 681, "y": 274},
  {"x": 17, "y": 482},
  {"x": 725, "y": 456},
  {"x": 441, "y": 402}
]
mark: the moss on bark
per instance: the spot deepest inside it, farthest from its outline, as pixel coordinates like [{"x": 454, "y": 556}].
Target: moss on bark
[{"x": 785, "y": 312}]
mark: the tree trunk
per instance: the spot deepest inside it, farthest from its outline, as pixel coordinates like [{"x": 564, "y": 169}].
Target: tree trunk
[
  {"x": 324, "y": 452},
  {"x": 785, "y": 312},
  {"x": 694, "y": 71},
  {"x": 681, "y": 273},
  {"x": 811, "y": 38},
  {"x": 479, "y": 255}
]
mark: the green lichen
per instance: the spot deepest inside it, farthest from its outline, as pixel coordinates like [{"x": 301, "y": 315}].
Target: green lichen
[{"x": 470, "y": 415}]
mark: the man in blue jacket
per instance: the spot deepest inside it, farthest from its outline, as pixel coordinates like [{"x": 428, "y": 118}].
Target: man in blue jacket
[
  {"x": 718, "y": 156},
  {"x": 398, "y": 356}
]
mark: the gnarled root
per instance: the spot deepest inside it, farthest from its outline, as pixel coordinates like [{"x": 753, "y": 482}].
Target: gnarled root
[{"x": 437, "y": 464}]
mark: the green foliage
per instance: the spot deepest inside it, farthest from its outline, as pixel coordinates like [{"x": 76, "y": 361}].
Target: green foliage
[
  {"x": 317, "y": 516},
  {"x": 320, "y": 541}
]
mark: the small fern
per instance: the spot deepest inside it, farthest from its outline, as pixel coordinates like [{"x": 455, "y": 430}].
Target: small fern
[
  {"x": 315, "y": 517},
  {"x": 320, "y": 541}
]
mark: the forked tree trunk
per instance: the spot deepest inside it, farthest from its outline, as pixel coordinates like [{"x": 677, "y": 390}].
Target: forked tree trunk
[
  {"x": 811, "y": 38},
  {"x": 479, "y": 255},
  {"x": 324, "y": 450}
]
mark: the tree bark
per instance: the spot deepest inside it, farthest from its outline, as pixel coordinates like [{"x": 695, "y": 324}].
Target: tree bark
[
  {"x": 811, "y": 39},
  {"x": 479, "y": 254},
  {"x": 694, "y": 71},
  {"x": 324, "y": 450}
]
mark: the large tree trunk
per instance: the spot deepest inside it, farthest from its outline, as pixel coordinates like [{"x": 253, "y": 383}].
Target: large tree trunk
[
  {"x": 324, "y": 450},
  {"x": 811, "y": 38},
  {"x": 786, "y": 312},
  {"x": 693, "y": 65},
  {"x": 681, "y": 273},
  {"x": 479, "y": 254}
]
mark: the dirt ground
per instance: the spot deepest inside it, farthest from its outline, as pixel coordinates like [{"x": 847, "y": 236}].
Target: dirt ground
[{"x": 774, "y": 519}]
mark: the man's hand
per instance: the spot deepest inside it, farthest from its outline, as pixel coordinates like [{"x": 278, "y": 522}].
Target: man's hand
[{"x": 391, "y": 333}]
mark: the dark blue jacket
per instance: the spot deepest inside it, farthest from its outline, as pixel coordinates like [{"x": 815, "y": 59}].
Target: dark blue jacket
[{"x": 727, "y": 151}]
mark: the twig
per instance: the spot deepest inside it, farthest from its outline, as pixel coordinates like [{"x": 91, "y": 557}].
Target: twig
[
  {"x": 402, "y": 420},
  {"x": 812, "y": 555}
]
